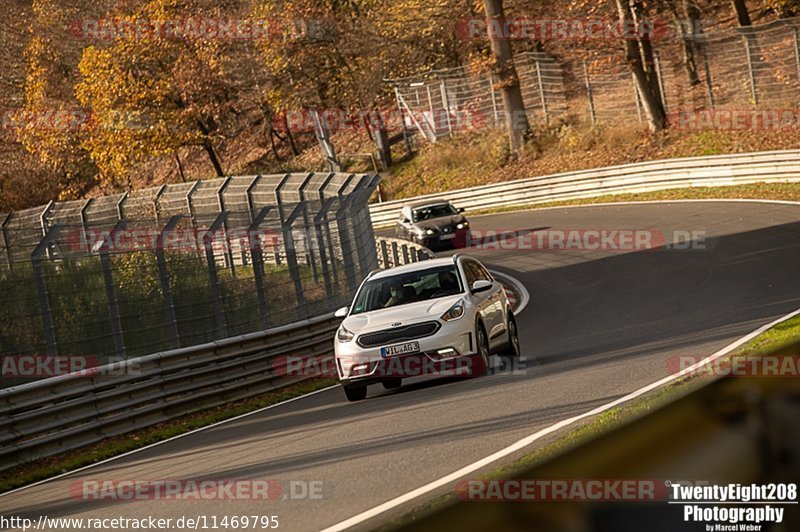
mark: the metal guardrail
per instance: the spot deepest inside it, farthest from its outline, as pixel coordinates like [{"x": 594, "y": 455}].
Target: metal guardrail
[
  {"x": 718, "y": 170},
  {"x": 62, "y": 413}
]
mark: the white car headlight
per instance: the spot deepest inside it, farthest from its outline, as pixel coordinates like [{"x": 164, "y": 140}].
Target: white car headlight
[
  {"x": 429, "y": 231},
  {"x": 343, "y": 335},
  {"x": 455, "y": 312},
  {"x": 462, "y": 225}
]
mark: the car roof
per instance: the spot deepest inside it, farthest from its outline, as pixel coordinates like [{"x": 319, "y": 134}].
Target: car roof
[
  {"x": 426, "y": 203},
  {"x": 413, "y": 267}
]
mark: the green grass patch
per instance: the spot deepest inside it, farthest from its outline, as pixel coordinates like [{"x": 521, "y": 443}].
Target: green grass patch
[{"x": 110, "y": 447}]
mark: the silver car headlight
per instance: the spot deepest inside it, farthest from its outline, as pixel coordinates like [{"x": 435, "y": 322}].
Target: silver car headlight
[
  {"x": 462, "y": 225},
  {"x": 343, "y": 335},
  {"x": 455, "y": 312},
  {"x": 429, "y": 231}
]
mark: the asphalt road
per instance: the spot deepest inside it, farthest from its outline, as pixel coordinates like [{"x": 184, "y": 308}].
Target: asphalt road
[{"x": 599, "y": 325}]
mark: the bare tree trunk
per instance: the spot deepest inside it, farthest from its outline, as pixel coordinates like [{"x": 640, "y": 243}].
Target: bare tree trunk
[
  {"x": 289, "y": 135},
  {"x": 639, "y": 53},
  {"x": 742, "y": 15},
  {"x": 209, "y": 147},
  {"x": 516, "y": 119},
  {"x": 179, "y": 164}
]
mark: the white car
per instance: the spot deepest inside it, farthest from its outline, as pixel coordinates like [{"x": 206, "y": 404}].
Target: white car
[{"x": 443, "y": 317}]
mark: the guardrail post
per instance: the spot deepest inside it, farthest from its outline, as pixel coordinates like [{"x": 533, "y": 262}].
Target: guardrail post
[
  {"x": 111, "y": 293},
  {"x": 589, "y": 94},
  {"x": 42, "y": 294},
  {"x": 395, "y": 255},
  {"x": 405, "y": 254},
  {"x": 384, "y": 253},
  {"x": 163, "y": 278},
  {"x": 213, "y": 280}
]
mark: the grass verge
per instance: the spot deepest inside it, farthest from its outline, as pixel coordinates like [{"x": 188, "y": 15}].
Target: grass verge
[
  {"x": 770, "y": 341},
  {"x": 110, "y": 447}
]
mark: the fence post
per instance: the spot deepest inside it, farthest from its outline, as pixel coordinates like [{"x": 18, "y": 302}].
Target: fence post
[
  {"x": 43, "y": 296},
  {"x": 405, "y": 254},
  {"x": 660, "y": 75},
  {"x": 288, "y": 242},
  {"x": 395, "y": 255},
  {"x": 636, "y": 97},
  {"x": 406, "y": 136},
  {"x": 589, "y": 94},
  {"x": 221, "y": 205},
  {"x": 446, "y": 106},
  {"x": 797, "y": 50},
  {"x": 542, "y": 96},
  {"x": 750, "y": 70},
  {"x": 6, "y": 246},
  {"x": 494, "y": 101},
  {"x": 111, "y": 298},
  {"x": 308, "y": 228},
  {"x": 213, "y": 280},
  {"x": 254, "y": 243},
  {"x": 707, "y": 69},
  {"x": 163, "y": 278}
]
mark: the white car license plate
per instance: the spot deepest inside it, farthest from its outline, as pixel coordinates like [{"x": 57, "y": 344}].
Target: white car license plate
[
  {"x": 447, "y": 237},
  {"x": 402, "y": 349}
]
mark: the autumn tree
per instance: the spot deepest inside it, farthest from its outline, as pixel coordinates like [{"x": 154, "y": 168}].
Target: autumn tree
[
  {"x": 157, "y": 90},
  {"x": 641, "y": 62}
]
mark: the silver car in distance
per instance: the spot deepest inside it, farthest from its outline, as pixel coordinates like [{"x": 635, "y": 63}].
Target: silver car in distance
[{"x": 442, "y": 317}]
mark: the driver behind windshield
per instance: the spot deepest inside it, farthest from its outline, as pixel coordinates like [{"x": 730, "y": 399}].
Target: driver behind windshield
[{"x": 396, "y": 295}]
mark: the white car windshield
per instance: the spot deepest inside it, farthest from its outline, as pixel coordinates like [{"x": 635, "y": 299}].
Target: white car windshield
[
  {"x": 433, "y": 211},
  {"x": 407, "y": 288}
]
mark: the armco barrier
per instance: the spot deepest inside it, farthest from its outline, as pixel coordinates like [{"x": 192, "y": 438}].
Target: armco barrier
[
  {"x": 719, "y": 170},
  {"x": 62, "y": 413}
]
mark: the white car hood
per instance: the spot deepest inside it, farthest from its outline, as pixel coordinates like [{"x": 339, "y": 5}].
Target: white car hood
[{"x": 403, "y": 314}]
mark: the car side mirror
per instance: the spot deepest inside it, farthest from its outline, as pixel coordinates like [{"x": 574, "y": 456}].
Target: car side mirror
[
  {"x": 481, "y": 285},
  {"x": 461, "y": 209},
  {"x": 342, "y": 312}
]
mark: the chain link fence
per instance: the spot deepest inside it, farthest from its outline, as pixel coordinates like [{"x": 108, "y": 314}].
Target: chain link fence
[
  {"x": 179, "y": 265},
  {"x": 735, "y": 69}
]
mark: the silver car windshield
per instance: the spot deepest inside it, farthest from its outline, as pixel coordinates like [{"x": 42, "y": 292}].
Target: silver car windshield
[
  {"x": 408, "y": 288},
  {"x": 432, "y": 211}
]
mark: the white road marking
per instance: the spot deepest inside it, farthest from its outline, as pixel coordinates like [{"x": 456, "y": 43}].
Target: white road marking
[{"x": 524, "y": 442}]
